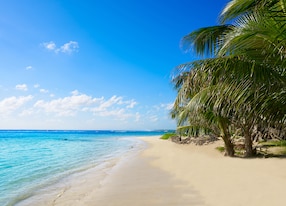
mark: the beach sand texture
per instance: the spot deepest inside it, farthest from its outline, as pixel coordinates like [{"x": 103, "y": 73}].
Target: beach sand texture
[
  {"x": 170, "y": 174},
  {"x": 221, "y": 180}
]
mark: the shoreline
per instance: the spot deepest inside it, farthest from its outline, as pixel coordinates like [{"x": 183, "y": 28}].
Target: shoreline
[
  {"x": 165, "y": 173},
  {"x": 69, "y": 189}
]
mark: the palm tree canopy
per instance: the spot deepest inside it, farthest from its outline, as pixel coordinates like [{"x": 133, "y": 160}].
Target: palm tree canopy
[
  {"x": 241, "y": 80},
  {"x": 237, "y": 8}
]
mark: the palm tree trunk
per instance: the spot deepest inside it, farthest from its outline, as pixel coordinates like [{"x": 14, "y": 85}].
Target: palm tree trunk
[
  {"x": 249, "y": 152},
  {"x": 229, "y": 150}
]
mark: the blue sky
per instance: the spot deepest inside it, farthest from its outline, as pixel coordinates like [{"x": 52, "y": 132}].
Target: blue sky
[{"x": 93, "y": 64}]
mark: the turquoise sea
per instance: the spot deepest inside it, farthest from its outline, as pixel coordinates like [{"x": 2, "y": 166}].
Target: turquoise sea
[{"x": 31, "y": 160}]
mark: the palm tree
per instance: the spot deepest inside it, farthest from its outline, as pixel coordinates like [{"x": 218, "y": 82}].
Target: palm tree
[
  {"x": 245, "y": 68},
  {"x": 194, "y": 100}
]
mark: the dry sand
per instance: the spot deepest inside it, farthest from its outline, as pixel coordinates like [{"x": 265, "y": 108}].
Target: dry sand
[
  {"x": 221, "y": 180},
  {"x": 169, "y": 174}
]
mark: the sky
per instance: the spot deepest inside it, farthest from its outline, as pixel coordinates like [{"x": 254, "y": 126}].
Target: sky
[{"x": 93, "y": 64}]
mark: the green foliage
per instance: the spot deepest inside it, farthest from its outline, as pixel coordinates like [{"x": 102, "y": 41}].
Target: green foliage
[
  {"x": 273, "y": 148},
  {"x": 273, "y": 143},
  {"x": 220, "y": 148},
  {"x": 167, "y": 136}
]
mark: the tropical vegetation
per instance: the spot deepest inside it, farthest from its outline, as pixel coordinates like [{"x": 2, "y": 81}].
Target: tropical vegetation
[
  {"x": 167, "y": 136},
  {"x": 238, "y": 86}
]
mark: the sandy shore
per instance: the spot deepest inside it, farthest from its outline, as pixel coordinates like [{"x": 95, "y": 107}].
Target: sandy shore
[
  {"x": 221, "y": 180},
  {"x": 169, "y": 174}
]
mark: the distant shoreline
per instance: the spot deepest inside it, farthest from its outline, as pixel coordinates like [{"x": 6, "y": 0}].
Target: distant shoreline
[{"x": 90, "y": 130}]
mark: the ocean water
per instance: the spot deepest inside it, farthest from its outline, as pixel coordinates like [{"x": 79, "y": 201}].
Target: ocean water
[{"x": 32, "y": 160}]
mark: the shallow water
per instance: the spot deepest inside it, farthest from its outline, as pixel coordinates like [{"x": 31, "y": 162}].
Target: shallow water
[{"x": 31, "y": 161}]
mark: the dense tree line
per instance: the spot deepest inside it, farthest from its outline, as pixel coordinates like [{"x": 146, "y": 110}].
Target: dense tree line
[{"x": 238, "y": 87}]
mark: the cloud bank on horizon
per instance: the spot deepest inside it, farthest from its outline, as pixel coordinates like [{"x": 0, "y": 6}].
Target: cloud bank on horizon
[{"x": 91, "y": 112}]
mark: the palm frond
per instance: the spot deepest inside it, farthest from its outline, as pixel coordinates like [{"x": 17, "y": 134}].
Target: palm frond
[
  {"x": 206, "y": 41},
  {"x": 238, "y": 8}
]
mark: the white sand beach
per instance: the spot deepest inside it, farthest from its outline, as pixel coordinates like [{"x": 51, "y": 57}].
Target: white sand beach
[
  {"x": 166, "y": 173},
  {"x": 221, "y": 180}
]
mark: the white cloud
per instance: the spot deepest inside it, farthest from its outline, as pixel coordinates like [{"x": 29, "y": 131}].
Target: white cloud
[
  {"x": 164, "y": 106},
  {"x": 167, "y": 106},
  {"x": 131, "y": 103},
  {"x": 44, "y": 91},
  {"x": 153, "y": 118},
  {"x": 75, "y": 92},
  {"x": 22, "y": 87},
  {"x": 11, "y": 104},
  {"x": 68, "y": 48},
  {"x": 117, "y": 113},
  {"x": 115, "y": 106},
  {"x": 26, "y": 112},
  {"x": 36, "y": 86},
  {"x": 49, "y": 45},
  {"x": 157, "y": 112},
  {"x": 77, "y": 108},
  {"x": 119, "y": 101},
  {"x": 67, "y": 106},
  {"x": 108, "y": 103},
  {"x": 137, "y": 117},
  {"x": 29, "y": 67}
]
